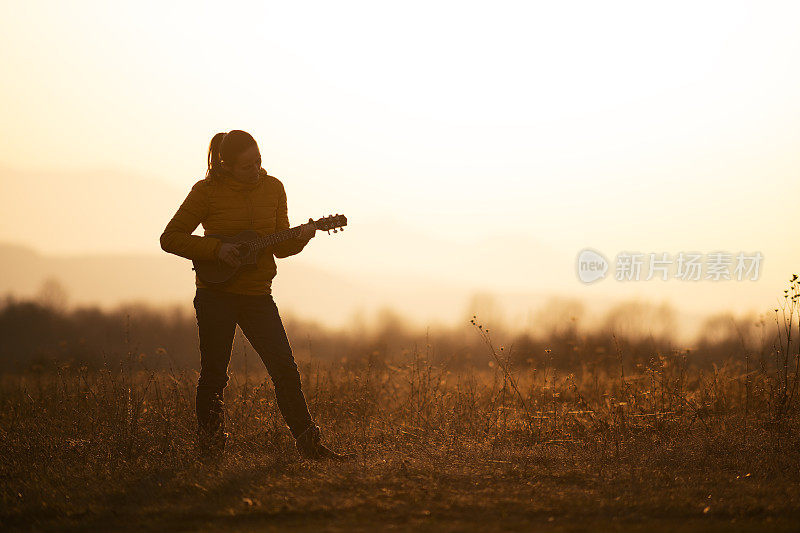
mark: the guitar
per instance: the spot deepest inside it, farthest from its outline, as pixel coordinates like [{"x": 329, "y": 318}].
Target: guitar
[{"x": 251, "y": 245}]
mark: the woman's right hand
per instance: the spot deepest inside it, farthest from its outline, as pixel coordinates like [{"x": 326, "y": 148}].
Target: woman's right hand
[{"x": 229, "y": 253}]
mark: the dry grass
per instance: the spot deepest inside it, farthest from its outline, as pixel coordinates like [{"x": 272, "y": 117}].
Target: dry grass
[
  {"x": 619, "y": 442},
  {"x": 664, "y": 445}
]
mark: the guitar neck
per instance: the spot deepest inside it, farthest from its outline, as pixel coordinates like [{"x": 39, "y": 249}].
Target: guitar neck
[
  {"x": 328, "y": 223},
  {"x": 274, "y": 238}
]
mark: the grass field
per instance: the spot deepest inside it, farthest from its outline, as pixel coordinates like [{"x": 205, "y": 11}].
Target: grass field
[{"x": 658, "y": 446}]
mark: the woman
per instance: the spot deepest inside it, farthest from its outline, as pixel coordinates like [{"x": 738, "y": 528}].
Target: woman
[{"x": 236, "y": 195}]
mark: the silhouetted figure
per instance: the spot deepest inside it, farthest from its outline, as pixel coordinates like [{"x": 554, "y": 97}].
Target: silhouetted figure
[{"x": 236, "y": 195}]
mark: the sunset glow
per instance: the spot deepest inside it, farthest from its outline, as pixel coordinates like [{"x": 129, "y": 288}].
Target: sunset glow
[{"x": 618, "y": 126}]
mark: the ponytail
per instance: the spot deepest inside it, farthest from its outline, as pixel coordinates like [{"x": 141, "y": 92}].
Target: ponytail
[{"x": 214, "y": 159}]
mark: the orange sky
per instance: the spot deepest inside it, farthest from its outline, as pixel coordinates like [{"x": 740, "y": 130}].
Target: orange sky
[{"x": 522, "y": 132}]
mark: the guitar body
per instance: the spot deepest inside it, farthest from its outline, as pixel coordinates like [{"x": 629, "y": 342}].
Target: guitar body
[{"x": 218, "y": 272}]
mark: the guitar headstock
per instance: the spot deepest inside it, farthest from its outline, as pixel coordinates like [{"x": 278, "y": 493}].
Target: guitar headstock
[{"x": 331, "y": 222}]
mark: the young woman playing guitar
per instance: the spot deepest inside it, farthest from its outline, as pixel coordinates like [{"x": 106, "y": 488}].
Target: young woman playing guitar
[{"x": 238, "y": 195}]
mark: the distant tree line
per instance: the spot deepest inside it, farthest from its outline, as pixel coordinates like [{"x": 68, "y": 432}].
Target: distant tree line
[{"x": 40, "y": 332}]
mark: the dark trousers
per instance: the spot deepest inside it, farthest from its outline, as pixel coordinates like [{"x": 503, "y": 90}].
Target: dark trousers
[{"x": 218, "y": 312}]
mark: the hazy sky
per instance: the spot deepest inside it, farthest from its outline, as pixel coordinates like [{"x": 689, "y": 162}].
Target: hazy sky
[{"x": 657, "y": 127}]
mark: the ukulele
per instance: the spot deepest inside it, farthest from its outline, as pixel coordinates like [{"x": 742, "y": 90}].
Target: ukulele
[{"x": 251, "y": 245}]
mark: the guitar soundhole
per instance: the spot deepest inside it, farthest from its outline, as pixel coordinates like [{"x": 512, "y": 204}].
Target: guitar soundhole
[{"x": 244, "y": 253}]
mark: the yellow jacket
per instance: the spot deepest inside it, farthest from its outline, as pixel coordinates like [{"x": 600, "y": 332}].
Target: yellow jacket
[{"x": 225, "y": 207}]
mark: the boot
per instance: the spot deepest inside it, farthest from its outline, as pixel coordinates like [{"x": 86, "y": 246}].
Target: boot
[
  {"x": 309, "y": 445},
  {"x": 211, "y": 445},
  {"x": 211, "y": 435}
]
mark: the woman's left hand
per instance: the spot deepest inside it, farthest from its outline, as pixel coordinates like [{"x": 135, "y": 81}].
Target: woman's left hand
[{"x": 307, "y": 231}]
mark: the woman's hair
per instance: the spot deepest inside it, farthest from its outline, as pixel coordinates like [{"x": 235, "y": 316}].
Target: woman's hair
[{"x": 226, "y": 147}]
